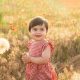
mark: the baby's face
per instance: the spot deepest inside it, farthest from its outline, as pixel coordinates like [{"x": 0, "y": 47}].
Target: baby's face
[{"x": 38, "y": 32}]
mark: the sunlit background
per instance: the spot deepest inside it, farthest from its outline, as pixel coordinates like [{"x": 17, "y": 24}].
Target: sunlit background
[
  {"x": 64, "y": 31},
  {"x": 71, "y": 3}
]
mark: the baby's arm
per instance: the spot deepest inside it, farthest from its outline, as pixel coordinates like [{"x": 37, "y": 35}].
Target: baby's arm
[{"x": 44, "y": 58}]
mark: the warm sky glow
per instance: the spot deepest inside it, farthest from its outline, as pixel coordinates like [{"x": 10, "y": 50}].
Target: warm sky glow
[{"x": 70, "y": 3}]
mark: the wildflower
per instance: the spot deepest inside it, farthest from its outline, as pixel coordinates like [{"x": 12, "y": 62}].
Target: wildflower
[
  {"x": 12, "y": 27},
  {"x": 4, "y": 45}
]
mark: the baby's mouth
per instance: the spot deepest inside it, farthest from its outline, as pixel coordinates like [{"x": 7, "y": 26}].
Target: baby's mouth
[{"x": 38, "y": 35}]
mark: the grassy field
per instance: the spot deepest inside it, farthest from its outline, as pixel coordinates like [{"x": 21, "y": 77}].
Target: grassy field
[{"x": 64, "y": 31}]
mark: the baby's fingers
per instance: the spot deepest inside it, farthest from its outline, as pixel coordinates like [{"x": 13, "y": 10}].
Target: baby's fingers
[{"x": 24, "y": 57}]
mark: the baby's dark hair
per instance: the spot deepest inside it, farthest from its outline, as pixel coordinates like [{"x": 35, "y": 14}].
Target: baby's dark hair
[{"x": 38, "y": 21}]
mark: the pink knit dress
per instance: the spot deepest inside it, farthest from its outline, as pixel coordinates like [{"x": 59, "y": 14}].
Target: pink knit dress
[{"x": 39, "y": 71}]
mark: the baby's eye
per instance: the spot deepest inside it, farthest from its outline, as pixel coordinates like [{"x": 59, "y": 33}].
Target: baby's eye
[
  {"x": 42, "y": 29},
  {"x": 35, "y": 29}
]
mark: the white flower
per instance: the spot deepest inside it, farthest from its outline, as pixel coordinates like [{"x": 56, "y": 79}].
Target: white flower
[{"x": 4, "y": 45}]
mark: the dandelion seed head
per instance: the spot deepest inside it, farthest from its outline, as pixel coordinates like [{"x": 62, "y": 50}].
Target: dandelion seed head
[{"x": 4, "y": 45}]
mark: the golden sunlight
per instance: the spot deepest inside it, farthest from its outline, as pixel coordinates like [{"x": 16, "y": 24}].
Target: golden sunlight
[{"x": 70, "y": 3}]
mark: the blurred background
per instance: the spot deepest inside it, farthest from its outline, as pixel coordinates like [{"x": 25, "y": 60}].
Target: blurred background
[{"x": 64, "y": 30}]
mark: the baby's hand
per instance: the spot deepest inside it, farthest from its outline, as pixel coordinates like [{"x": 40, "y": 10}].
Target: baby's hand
[{"x": 26, "y": 58}]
